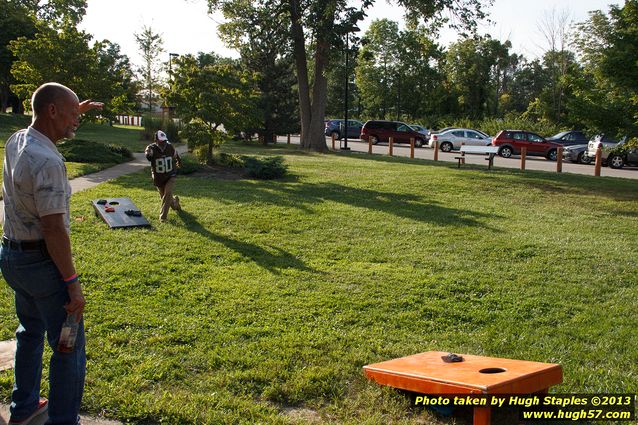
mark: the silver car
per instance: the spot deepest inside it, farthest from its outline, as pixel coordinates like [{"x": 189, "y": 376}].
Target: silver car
[{"x": 453, "y": 138}]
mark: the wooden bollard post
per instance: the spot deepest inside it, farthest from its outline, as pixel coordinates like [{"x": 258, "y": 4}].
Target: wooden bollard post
[
  {"x": 436, "y": 150},
  {"x": 370, "y": 145},
  {"x": 391, "y": 144},
  {"x": 333, "y": 141},
  {"x": 463, "y": 154},
  {"x": 288, "y": 141},
  {"x": 523, "y": 157},
  {"x": 599, "y": 162},
  {"x": 412, "y": 147},
  {"x": 274, "y": 138},
  {"x": 559, "y": 159}
]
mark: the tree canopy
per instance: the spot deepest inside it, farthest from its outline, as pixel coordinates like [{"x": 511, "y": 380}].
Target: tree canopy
[{"x": 326, "y": 22}]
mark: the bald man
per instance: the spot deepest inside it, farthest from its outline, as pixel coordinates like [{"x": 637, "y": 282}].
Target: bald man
[{"x": 36, "y": 261}]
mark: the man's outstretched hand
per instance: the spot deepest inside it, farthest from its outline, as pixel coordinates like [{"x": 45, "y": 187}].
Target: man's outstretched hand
[{"x": 88, "y": 105}]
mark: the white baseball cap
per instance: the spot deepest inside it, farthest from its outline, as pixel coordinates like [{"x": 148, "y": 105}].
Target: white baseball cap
[{"x": 161, "y": 136}]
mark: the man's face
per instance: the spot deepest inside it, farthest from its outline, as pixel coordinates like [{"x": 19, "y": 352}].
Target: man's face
[{"x": 67, "y": 117}]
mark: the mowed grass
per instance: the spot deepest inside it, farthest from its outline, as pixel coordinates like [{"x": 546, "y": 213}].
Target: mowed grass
[
  {"x": 130, "y": 137},
  {"x": 261, "y": 302}
]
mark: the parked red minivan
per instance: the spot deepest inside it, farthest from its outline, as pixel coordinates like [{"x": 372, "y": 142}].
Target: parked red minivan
[
  {"x": 510, "y": 143},
  {"x": 381, "y": 131}
]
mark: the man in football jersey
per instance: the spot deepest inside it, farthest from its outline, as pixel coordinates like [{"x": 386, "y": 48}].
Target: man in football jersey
[{"x": 164, "y": 164}]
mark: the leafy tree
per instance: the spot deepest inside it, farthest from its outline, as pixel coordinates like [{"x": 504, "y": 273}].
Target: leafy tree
[
  {"x": 100, "y": 72},
  {"x": 377, "y": 68},
  {"x": 397, "y": 73},
  {"x": 337, "y": 79},
  {"x": 56, "y": 13},
  {"x": 475, "y": 68},
  {"x": 266, "y": 52},
  {"x": 16, "y": 20},
  {"x": 150, "y": 46},
  {"x": 211, "y": 93},
  {"x": 527, "y": 83},
  {"x": 607, "y": 97},
  {"x": 326, "y": 22}
]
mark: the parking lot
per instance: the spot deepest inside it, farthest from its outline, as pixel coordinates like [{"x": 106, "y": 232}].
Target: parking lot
[{"x": 532, "y": 163}]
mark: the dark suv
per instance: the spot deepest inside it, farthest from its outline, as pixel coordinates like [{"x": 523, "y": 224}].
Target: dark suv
[
  {"x": 381, "y": 131},
  {"x": 336, "y": 127},
  {"x": 510, "y": 143}
]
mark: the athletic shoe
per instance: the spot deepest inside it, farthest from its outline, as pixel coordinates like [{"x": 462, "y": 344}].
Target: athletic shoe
[
  {"x": 43, "y": 406},
  {"x": 177, "y": 206}
]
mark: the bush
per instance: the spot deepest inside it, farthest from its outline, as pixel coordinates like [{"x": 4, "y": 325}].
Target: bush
[
  {"x": 511, "y": 121},
  {"x": 153, "y": 122},
  {"x": 265, "y": 168},
  {"x": 123, "y": 151},
  {"x": 229, "y": 160},
  {"x": 189, "y": 164},
  {"x": 78, "y": 150},
  {"x": 202, "y": 139}
]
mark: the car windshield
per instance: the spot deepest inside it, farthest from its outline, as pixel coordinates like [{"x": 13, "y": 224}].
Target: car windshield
[
  {"x": 416, "y": 127},
  {"x": 559, "y": 135}
]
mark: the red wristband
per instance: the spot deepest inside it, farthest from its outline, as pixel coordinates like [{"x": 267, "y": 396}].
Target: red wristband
[{"x": 71, "y": 278}]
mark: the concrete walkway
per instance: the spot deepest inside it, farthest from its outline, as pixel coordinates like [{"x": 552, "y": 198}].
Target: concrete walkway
[{"x": 7, "y": 348}]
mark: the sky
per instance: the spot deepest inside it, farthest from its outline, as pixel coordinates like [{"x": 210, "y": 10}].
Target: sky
[{"x": 186, "y": 27}]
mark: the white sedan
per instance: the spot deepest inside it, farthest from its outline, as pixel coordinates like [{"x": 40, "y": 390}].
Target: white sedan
[{"x": 454, "y": 137}]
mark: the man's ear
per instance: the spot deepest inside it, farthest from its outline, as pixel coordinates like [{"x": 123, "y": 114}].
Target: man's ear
[{"x": 52, "y": 110}]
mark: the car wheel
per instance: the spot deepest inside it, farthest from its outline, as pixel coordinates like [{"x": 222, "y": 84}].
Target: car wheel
[
  {"x": 505, "y": 152},
  {"x": 374, "y": 140},
  {"x": 552, "y": 155},
  {"x": 418, "y": 143},
  {"x": 446, "y": 146},
  {"x": 336, "y": 135},
  {"x": 583, "y": 158},
  {"x": 616, "y": 161}
]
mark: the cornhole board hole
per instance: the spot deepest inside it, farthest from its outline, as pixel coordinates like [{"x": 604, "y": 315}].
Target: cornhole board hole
[
  {"x": 427, "y": 373},
  {"x": 118, "y": 218}
]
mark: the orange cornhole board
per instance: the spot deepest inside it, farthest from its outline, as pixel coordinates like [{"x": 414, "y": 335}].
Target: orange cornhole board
[{"x": 427, "y": 373}]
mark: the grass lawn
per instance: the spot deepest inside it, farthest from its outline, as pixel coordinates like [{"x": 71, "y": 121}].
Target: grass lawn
[
  {"x": 127, "y": 136},
  {"x": 261, "y": 302}
]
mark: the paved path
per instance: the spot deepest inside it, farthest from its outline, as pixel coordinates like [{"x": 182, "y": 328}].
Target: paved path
[{"x": 7, "y": 348}]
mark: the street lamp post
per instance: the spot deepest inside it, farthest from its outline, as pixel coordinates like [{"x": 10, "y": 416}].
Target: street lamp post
[{"x": 345, "y": 112}]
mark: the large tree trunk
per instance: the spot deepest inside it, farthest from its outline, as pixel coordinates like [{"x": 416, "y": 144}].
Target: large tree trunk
[
  {"x": 301, "y": 63},
  {"x": 317, "y": 137},
  {"x": 4, "y": 98}
]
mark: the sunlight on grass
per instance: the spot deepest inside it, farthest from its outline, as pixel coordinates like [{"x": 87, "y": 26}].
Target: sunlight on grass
[{"x": 267, "y": 296}]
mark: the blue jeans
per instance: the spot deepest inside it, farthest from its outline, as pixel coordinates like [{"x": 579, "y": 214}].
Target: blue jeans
[{"x": 40, "y": 296}]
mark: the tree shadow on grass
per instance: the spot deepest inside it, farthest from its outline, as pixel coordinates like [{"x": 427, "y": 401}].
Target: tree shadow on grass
[
  {"x": 273, "y": 262},
  {"x": 303, "y": 196}
]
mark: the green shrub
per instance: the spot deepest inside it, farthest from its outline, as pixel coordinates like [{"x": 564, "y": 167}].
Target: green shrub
[
  {"x": 511, "y": 121},
  {"x": 265, "y": 168},
  {"x": 229, "y": 160},
  {"x": 123, "y": 151},
  {"x": 78, "y": 150},
  {"x": 172, "y": 129},
  {"x": 151, "y": 123},
  {"x": 154, "y": 122},
  {"x": 202, "y": 139},
  {"x": 190, "y": 164}
]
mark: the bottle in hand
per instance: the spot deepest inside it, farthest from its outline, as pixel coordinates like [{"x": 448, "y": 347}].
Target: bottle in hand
[{"x": 68, "y": 334}]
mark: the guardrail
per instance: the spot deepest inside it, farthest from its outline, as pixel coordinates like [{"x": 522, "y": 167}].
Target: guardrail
[{"x": 523, "y": 154}]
